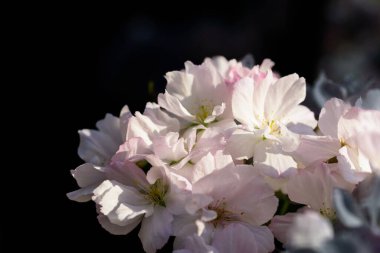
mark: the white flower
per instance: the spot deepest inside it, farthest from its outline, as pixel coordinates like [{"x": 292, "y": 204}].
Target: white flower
[
  {"x": 272, "y": 120},
  {"x": 98, "y": 146},
  {"x": 197, "y": 95},
  {"x": 153, "y": 199}
]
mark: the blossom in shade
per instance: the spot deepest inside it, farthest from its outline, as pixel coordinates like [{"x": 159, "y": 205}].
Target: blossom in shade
[{"x": 96, "y": 148}]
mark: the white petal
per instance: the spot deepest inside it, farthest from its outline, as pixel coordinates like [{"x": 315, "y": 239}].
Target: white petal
[
  {"x": 275, "y": 165},
  {"x": 179, "y": 83},
  {"x": 242, "y": 102},
  {"x": 300, "y": 120},
  {"x": 174, "y": 105},
  {"x": 116, "y": 229},
  {"x": 110, "y": 125},
  {"x": 156, "y": 230},
  {"x": 241, "y": 144},
  {"x": 96, "y": 147},
  {"x": 125, "y": 115},
  {"x": 88, "y": 174},
  {"x": 121, "y": 204},
  {"x": 284, "y": 95},
  {"x": 314, "y": 148},
  {"x": 82, "y": 195},
  {"x": 160, "y": 118}
]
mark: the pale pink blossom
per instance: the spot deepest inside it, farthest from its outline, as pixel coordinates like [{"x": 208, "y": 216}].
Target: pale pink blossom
[
  {"x": 232, "y": 71},
  {"x": 314, "y": 185},
  {"x": 152, "y": 199},
  {"x": 96, "y": 148},
  {"x": 233, "y": 203},
  {"x": 340, "y": 126},
  {"x": 197, "y": 95},
  {"x": 271, "y": 121}
]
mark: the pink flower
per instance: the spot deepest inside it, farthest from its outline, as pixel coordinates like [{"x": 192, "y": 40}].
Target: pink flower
[{"x": 233, "y": 204}]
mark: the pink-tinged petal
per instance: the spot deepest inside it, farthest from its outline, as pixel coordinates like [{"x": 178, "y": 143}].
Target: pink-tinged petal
[
  {"x": 116, "y": 229},
  {"x": 314, "y": 148},
  {"x": 125, "y": 115},
  {"x": 330, "y": 115},
  {"x": 284, "y": 95},
  {"x": 253, "y": 199},
  {"x": 310, "y": 230},
  {"x": 300, "y": 120},
  {"x": 264, "y": 238},
  {"x": 216, "y": 183},
  {"x": 127, "y": 173},
  {"x": 156, "y": 230},
  {"x": 235, "y": 237},
  {"x": 88, "y": 174},
  {"x": 280, "y": 226},
  {"x": 242, "y": 102},
  {"x": 169, "y": 147},
  {"x": 313, "y": 186},
  {"x": 174, "y": 105},
  {"x": 357, "y": 121},
  {"x": 241, "y": 144}
]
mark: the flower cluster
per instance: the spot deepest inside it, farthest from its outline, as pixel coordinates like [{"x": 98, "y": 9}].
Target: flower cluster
[{"x": 209, "y": 162}]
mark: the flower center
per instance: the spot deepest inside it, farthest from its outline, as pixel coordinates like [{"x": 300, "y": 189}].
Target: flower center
[
  {"x": 223, "y": 215},
  {"x": 203, "y": 112},
  {"x": 328, "y": 213},
  {"x": 156, "y": 193},
  {"x": 274, "y": 128}
]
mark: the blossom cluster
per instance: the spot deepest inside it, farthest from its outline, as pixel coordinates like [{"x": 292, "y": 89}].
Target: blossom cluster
[{"x": 210, "y": 162}]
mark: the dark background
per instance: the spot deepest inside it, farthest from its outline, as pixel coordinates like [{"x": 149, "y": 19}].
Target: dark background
[{"x": 100, "y": 57}]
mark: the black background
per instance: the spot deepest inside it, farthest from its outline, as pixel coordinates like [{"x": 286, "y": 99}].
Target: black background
[{"x": 100, "y": 57}]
